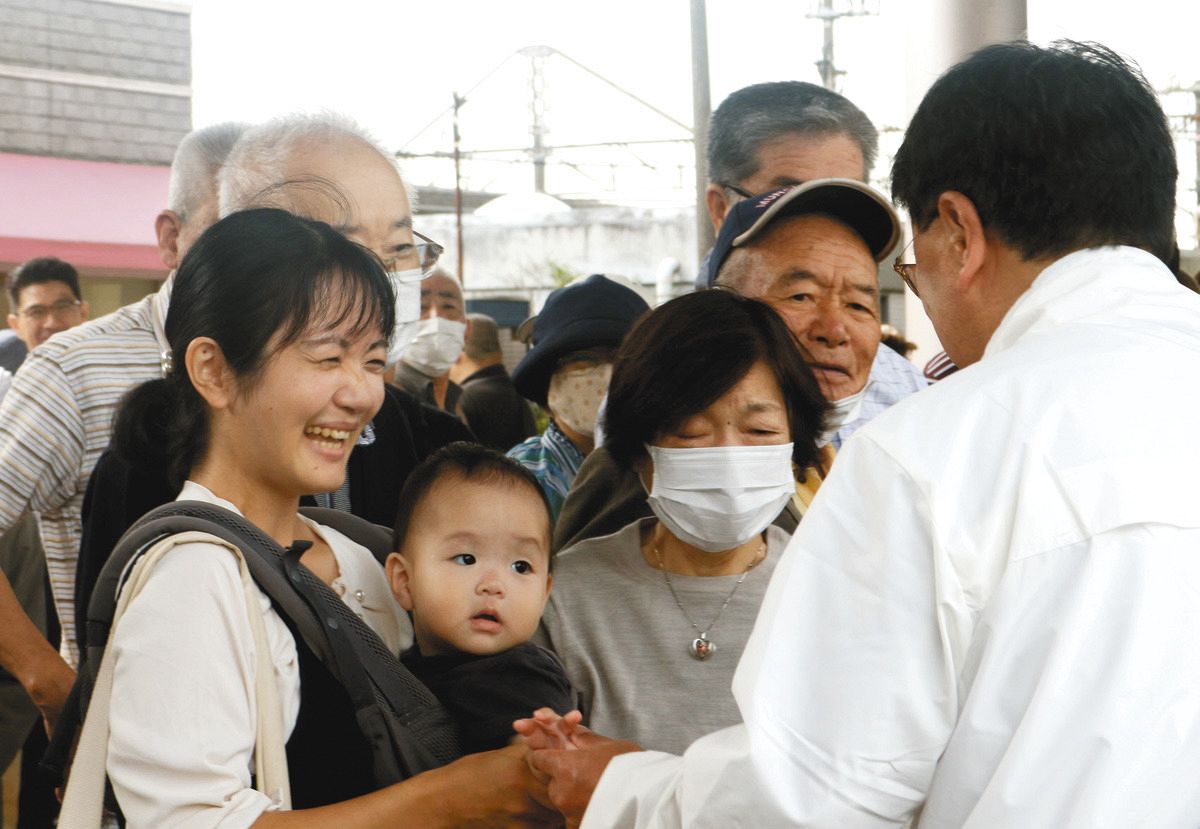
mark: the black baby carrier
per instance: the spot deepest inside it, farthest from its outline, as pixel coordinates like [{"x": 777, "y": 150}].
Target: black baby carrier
[{"x": 365, "y": 721}]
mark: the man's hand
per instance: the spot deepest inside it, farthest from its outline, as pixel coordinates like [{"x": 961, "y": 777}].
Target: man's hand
[
  {"x": 574, "y": 772},
  {"x": 48, "y": 682}
]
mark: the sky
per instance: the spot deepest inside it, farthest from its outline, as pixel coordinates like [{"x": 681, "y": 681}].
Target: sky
[{"x": 395, "y": 66}]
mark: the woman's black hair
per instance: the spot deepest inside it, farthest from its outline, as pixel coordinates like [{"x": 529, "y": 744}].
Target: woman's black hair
[
  {"x": 254, "y": 282},
  {"x": 686, "y": 354},
  {"x": 471, "y": 462}
]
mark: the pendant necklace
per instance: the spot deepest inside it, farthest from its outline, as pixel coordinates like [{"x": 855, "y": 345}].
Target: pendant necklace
[{"x": 702, "y": 648}]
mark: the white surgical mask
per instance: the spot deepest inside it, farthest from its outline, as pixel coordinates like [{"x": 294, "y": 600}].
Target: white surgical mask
[
  {"x": 574, "y": 396},
  {"x": 842, "y": 412},
  {"x": 720, "y": 497},
  {"x": 407, "y": 285},
  {"x": 436, "y": 346}
]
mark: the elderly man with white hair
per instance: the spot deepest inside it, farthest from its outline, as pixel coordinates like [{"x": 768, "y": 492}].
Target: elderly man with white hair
[{"x": 328, "y": 168}]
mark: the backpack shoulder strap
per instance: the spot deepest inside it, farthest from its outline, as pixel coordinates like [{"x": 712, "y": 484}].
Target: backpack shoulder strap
[
  {"x": 376, "y": 538},
  {"x": 83, "y": 802}
]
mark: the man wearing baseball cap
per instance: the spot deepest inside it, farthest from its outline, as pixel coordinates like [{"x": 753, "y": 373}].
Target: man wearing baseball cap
[
  {"x": 575, "y": 339},
  {"x": 811, "y": 252}
]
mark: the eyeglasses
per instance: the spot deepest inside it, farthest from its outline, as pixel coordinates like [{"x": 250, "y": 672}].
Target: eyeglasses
[
  {"x": 428, "y": 252},
  {"x": 62, "y": 308},
  {"x": 907, "y": 270},
  {"x": 735, "y": 189},
  {"x": 424, "y": 255}
]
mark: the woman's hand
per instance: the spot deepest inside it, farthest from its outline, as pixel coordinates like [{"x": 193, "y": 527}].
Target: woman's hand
[{"x": 491, "y": 789}]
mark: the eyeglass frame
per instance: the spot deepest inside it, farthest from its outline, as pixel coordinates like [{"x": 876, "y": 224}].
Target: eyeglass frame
[
  {"x": 427, "y": 244},
  {"x": 38, "y": 313},
  {"x": 907, "y": 270},
  {"x": 740, "y": 191}
]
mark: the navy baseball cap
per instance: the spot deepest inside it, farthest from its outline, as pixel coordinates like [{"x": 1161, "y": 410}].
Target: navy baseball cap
[{"x": 859, "y": 206}]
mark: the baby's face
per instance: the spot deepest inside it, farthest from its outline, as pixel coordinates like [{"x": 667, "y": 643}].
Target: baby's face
[{"x": 475, "y": 567}]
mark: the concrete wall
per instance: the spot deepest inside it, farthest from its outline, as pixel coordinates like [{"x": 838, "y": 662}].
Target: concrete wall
[{"x": 91, "y": 79}]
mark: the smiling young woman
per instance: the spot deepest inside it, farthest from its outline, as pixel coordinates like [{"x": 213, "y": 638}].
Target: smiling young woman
[{"x": 277, "y": 332}]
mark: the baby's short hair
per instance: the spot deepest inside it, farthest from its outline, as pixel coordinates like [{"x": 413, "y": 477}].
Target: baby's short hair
[{"x": 471, "y": 462}]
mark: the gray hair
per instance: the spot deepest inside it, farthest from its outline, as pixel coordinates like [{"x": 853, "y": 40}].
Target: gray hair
[
  {"x": 756, "y": 114},
  {"x": 483, "y": 339},
  {"x": 255, "y": 168},
  {"x": 196, "y": 164}
]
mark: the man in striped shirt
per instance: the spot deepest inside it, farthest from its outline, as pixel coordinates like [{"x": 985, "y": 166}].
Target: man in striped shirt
[{"x": 57, "y": 419}]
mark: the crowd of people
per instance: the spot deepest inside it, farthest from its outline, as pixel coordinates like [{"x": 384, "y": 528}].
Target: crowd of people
[{"x": 755, "y": 570}]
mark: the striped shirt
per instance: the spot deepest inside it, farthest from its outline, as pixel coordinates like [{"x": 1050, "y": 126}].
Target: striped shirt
[
  {"x": 553, "y": 460},
  {"x": 56, "y": 420},
  {"x": 892, "y": 379}
]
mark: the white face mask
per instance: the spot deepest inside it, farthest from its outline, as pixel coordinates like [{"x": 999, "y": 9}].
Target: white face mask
[
  {"x": 436, "y": 346},
  {"x": 407, "y": 285},
  {"x": 720, "y": 497},
  {"x": 574, "y": 396},
  {"x": 842, "y": 412}
]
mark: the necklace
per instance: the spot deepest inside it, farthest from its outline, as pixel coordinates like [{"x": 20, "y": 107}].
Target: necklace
[{"x": 702, "y": 648}]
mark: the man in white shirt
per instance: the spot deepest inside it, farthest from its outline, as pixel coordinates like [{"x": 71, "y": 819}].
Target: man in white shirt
[{"x": 987, "y": 616}]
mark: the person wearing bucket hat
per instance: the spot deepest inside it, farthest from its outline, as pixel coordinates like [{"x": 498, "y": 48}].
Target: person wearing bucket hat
[{"x": 566, "y": 372}]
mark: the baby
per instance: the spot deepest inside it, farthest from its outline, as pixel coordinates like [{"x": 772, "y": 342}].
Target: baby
[{"x": 472, "y": 566}]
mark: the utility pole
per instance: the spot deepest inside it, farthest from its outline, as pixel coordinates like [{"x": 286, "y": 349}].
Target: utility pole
[
  {"x": 537, "y": 106},
  {"x": 458, "y": 195},
  {"x": 827, "y": 14},
  {"x": 1196, "y": 123},
  {"x": 701, "y": 108}
]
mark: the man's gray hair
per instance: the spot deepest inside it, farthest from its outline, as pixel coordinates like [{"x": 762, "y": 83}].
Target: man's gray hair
[
  {"x": 483, "y": 338},
  {"x": 196, "y": 164},
  {"x": 756, "y": 114},
  {"x": 255, "y": 169}
]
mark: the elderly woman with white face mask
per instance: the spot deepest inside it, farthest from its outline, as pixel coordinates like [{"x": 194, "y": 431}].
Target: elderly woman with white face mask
[
  {"x": 712, "y": 404},
  {"x": 566, "y": 372}
]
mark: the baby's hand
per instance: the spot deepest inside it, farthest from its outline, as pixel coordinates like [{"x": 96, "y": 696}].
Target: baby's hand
[{"x": 546, "y": 729}]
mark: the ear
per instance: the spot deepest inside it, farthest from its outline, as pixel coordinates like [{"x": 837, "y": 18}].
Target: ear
[
  {"x": 718, "y": 205},
  {"x": 166, "y": 229},
  {"x": 967, "y": 240},
  {"x": 397, "y": 576},
  {"x": 13, "y": 319},
  {"x": 549, "y": 583},
  {"x": 83, "y": 311},
  {"x": 209, "y": 372}
]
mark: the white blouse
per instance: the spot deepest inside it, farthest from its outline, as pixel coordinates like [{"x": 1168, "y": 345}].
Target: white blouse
[{"x": 181, "y": 747}]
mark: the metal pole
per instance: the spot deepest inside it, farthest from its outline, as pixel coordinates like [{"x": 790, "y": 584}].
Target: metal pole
[
  {"x": 825, "y": 64},
  {"x": 1196, "y": 117},
  {"x": 537, "y": 106},
  {"x": 458, "y": 194},
  {"x": 701, "y": 109}
]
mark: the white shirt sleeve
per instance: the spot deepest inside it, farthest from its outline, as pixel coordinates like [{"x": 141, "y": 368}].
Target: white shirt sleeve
[
  {"x": 847, "y": 685},
  {"x": 182, "y": 735}
]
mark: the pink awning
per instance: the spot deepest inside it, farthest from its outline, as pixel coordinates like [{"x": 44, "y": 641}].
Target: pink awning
[{"x": 97, "y": 215}]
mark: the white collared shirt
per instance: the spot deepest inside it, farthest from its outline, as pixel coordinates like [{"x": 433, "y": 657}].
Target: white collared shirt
[{"x": 989, "y": 612}]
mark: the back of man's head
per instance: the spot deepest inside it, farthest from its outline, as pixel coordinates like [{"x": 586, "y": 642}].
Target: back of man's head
[
  {"x": 192, "y": 192},
  {"x": 255, "y": 173},
  {"x": 763, "y": 112},
  {"x": 38, "y": 272},
  {"x": 1058, "y": 148},
  {"x": 198, "y": 159},
  {"x": 483, "y": 339}
]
